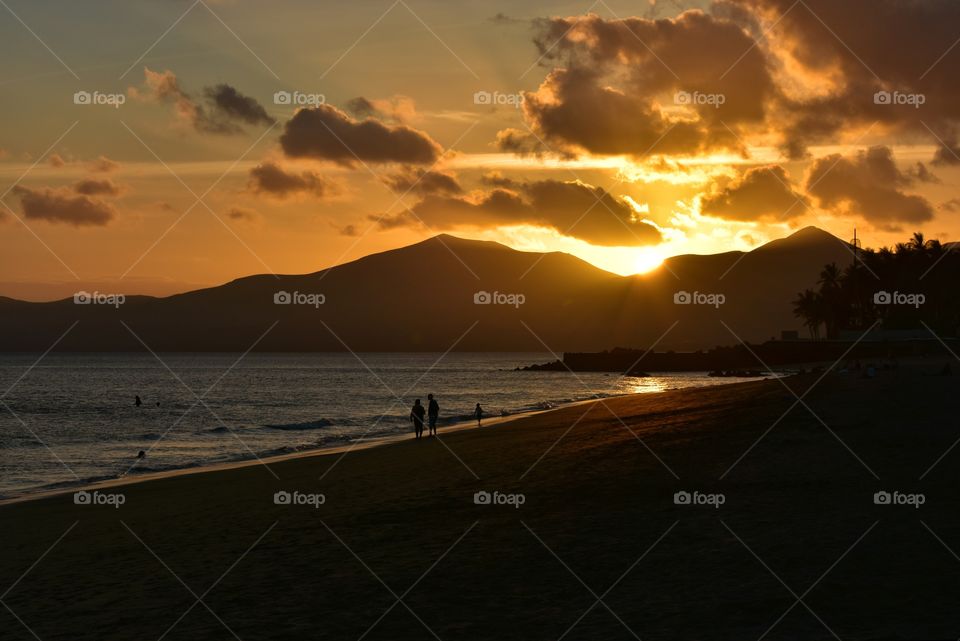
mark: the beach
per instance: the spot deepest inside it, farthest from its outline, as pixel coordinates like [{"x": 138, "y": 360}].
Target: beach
[{"x": 562, "y": 524}]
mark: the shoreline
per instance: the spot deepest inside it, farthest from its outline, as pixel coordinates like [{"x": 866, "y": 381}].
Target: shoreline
[{"x": 351, "y": 446}]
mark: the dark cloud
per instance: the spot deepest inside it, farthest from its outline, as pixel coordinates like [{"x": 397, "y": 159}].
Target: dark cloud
[
  {"x": 861, "y": 47},
  {"x": 806, "y": 73},
  {"x": 64, "y": 206},
  {"x": 920, "y": 173},
  {"x": 230, "y": 103},
  {"x": 398, "y": 108},
  {"x": 362, "y": 107},
  {"x": 639, "y": 86},
  {"x": 868, "y": 185},
  {"x": 758, "y": 193},
  {"x": 522, "y": 143},
  {"x": 96, "y": 187},
  {"x": 221, "y": 112},
  {"x": 326, "y": 133},
  {"x": 947, "y": 153},
  {"x": 497, "y": 179},
  {"x": 272, "y": 179},
  {"x": 423, "y": 182},
  {"x": 573, "y": 209}
]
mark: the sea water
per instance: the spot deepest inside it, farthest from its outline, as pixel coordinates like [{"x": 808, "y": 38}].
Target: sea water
[{"x": 68, "y": 419}]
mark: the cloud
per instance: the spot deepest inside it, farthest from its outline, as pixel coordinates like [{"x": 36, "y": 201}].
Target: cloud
[
  {"x": 230, "y": 103},
  {"x": 868, "y": 185},
  {"x": 95, "y": 187},
  {"x": 522, "y": 143},
  {"x": 64, "y": 206},
  {"x": 423, "y": 182},
  {"x": 103, "y": 165},
  {"x": 326, "y": 133},
  {"x": 503, "y": 19},
  {"x": 835, "y": 61},
  {"x": 950, "y": 205},
  {"x": 573, "y": 209},
  {"x": 619, "y": 86},
  {"x": 398, "y": 108},
  {"x": 271, "y": 179},
  {"x": 402, "y": 219},
  {"x": 920, "y": 173},
  {"x": 242, "y": 214},
  {"x": 947, "y": 153},
  {"x": 223, "y": 109},
  {"x": 758, "y": 193},
  {"x": 362, "y": 107},
  {"x": 797, "y": 75}
]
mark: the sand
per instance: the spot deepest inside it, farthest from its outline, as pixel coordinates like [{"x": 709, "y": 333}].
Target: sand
[{"x": 400, "y": 550}]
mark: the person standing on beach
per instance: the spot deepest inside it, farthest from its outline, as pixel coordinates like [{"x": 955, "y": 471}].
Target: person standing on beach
[
  {"x": 416, "y": 415},
  {"x": 433, "y": 411},
  {"x": 478, "y": 412}
]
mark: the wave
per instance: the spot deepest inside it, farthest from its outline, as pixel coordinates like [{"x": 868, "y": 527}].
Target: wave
[{"x": 308, "y": 425}]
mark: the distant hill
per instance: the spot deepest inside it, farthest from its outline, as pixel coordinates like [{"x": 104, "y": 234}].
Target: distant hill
[{"x": 422, "y": 298}]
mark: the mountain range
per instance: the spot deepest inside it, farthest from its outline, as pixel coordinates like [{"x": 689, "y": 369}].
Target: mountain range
[{"x": 451, "y": 293}]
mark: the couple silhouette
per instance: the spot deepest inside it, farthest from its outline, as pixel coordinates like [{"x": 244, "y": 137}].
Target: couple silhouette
[
  {"x": 432, "y": 411},
  {"x": 417, "y": 412}
]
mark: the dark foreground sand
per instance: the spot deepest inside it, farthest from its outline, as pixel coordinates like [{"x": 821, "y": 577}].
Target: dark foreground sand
[{"x": 599, "y": 521}]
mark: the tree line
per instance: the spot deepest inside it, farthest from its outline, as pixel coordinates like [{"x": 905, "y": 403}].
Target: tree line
[{"x": 908, "y": 286}]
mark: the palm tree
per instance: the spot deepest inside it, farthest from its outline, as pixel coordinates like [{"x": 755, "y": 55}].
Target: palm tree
[
  {"x": 830, "y": 277},
  {"x": 809, "y": 306},
  {"x": 917, "y": 242},
  {"x": 831, "y": 298}
]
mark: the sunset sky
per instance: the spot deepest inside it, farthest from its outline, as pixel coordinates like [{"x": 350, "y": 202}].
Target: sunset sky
[{"x": 621, "y": 132}]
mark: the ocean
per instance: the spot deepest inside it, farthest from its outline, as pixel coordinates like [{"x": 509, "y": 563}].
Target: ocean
[{"x": 70, "y": 419}]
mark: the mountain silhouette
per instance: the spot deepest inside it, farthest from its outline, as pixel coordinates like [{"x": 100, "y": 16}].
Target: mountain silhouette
[{"x": 448, "y": 292}]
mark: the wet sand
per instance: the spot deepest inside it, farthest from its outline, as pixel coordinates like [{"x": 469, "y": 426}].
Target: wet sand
[{"x": 598, "y": 519}]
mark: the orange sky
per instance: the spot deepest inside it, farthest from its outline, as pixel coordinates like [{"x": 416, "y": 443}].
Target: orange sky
[{"x": 141, "y": 160}]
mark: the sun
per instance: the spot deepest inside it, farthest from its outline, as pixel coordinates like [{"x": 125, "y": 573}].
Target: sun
[{"x": 646, "y": 260}]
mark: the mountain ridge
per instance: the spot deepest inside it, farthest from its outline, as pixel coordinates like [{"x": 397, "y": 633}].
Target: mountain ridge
[{"x": 445, "y": 292}]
